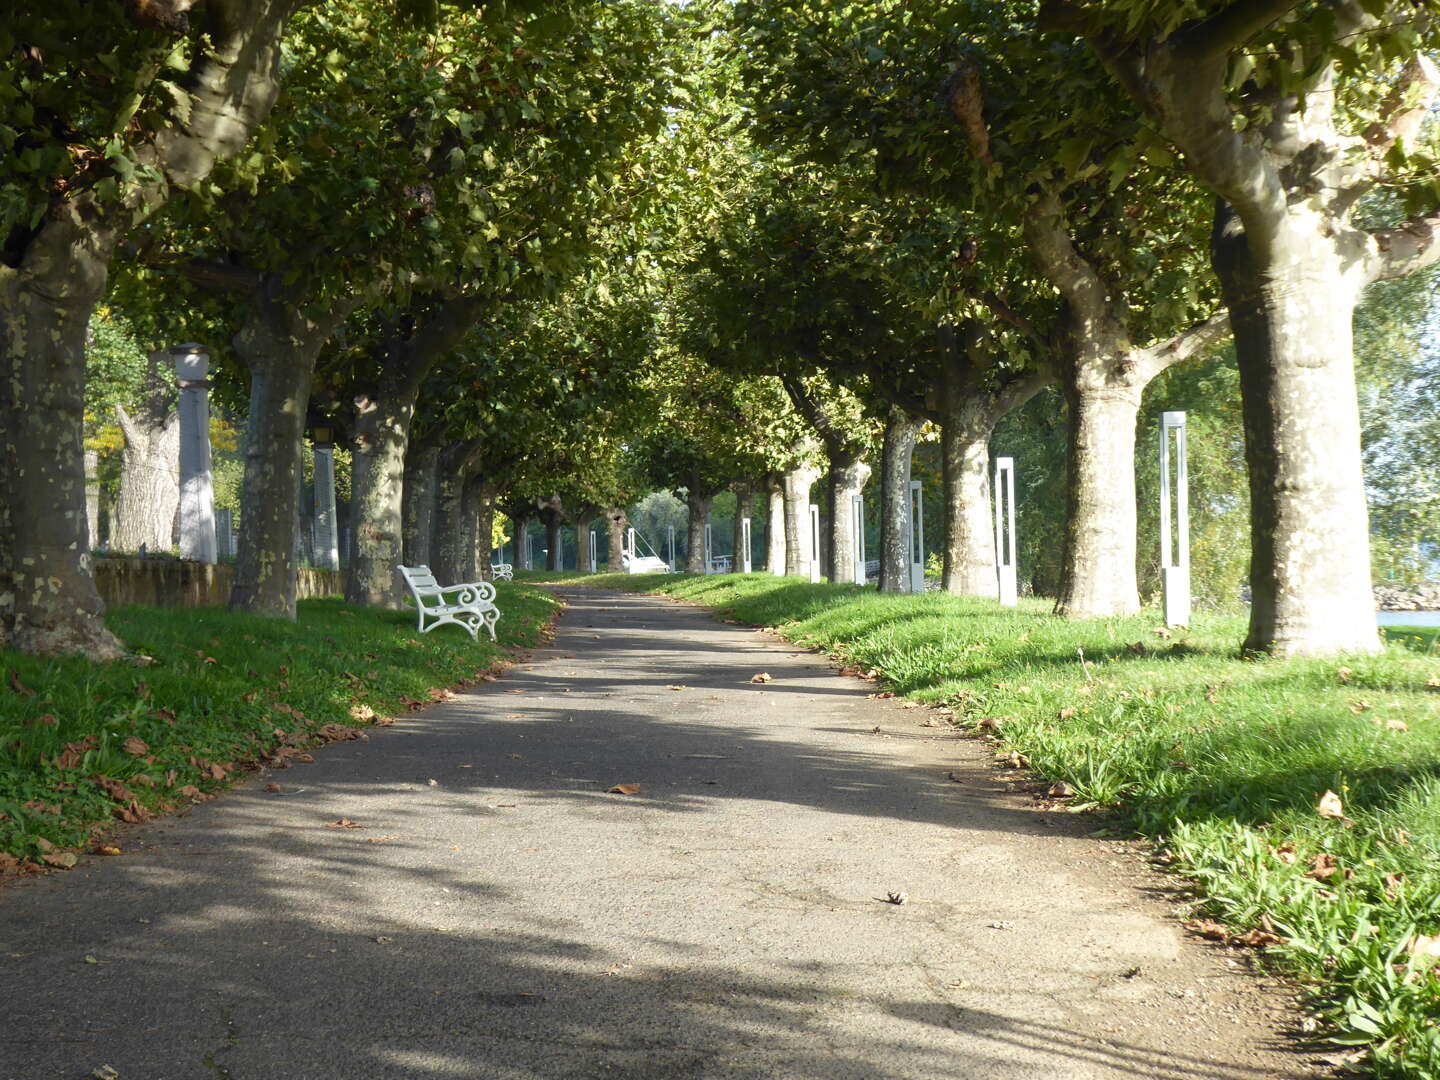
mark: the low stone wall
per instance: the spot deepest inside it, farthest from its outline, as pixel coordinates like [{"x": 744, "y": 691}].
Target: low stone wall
[
  {"x": 181, "y": 583},
  {"x": 1424, "y": 596}
]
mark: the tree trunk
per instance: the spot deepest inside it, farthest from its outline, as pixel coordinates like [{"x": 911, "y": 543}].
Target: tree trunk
[
  {"x": 1098, "y": 579},
  {"x": 615, "y": 536},
  {"x": 279, "y": 344},
  {"x": 554, "y": 554},
  {"x": 699, "y": 515},
  {"x": 377, "y": 486},
  {"x": 743, "y": 498},
  {"x": 477, "y": 515},
  {"x": 969, "y": 563},
  {"x": 420, "y": 490},
  {"x": 584, "y": 519},
  {"x": 775, "y": 525},
  {"x": 1310, "y": 585},
  {"x": 48, "y": 601},
  {"x": 149, "y": 477},
  {"x": 92, "y": 497},
  {"x": 901, "y": 431},
  {"x": 523, "y": 561},
  {"x": 447, "y": 548},
  {"x": 846, "y": 478},
  {"x": 798, "y": 554}
]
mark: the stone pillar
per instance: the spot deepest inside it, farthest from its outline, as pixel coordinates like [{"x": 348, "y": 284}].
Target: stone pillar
[
  {"x": 1004, "y": 495},
  {"x": 743, "y": 555},
  {"x": 1175, "y": 560},
  {"x": 197, "y": 489},
  {"x": 327, "y": 538},
  {"x": 917, "y": 537},
  {"x": 857, "y": 524},
  {"x": 814, "y": 544}
]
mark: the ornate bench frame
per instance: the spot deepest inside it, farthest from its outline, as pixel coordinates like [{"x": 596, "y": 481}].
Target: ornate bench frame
[{"x": 472, "y": 606}]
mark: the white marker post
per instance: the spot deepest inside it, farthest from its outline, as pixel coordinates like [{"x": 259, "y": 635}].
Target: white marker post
[
  {"x": 857, "y": 528},
  {"x": 670, "y": 546},
  {"x": 745, "y": 559},
  {"x": 917, "y": 537},
  {"x": 630, "y": 545},
  {"x": 197, "y": 488},
  {"x": 814, "y": 544},
  {"x": 594, "y": 548},
  {"x": 1005, "y": 530},
  {"x": 1175, "y": 561},
  {"x": 709, "y": 548}
]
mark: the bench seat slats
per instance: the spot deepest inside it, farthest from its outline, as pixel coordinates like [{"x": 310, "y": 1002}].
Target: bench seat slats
[{"x": 469, "y": 605}]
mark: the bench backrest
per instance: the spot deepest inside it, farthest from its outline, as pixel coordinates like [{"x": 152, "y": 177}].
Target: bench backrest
[{"x": 421, "y": 581}]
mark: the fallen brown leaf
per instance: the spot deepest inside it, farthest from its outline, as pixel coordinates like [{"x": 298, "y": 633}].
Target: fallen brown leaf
[
  {"x": 108, "y": 849},
  {"x": 1330, "y": 806},
  {"x": 343, "y": 823},
  {"x": 61, "y": 860},
  {"x": 762, "y": 677},
  {"x": 989, "y": 723},
  {"x": 1017, "y": 760},
  {"x": 1424, "y": 945},
  {"x": 378, "y": 839},
  {"x": 362, "y": 713},
  {"x": 1285, "y": 852},
  {"x": 336, "y": 732},
  {"x": 623, "y": 789},
  {"x": 1393, "y": 884},
  {"x": 135, "y": 745},
  {"x": 1322, "y": 866},
  {"x": 1060, "y": 790},
  {"x": 677, "y": 687},
  {"x": 1209, "y": 928},
  {"x": 1396, "y": 725},
  {"x": 1067, "y": 712},
  {"x": 275, "y": 789},
  {"x": 1344, "y": 674},
  {"x": 190, "y": 791},
  {"x": 18, "y": 686}
]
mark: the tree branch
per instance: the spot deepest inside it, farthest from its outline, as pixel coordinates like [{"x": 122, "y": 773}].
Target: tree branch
[
  {"x": 1047, "y": 235},
  {"x": 1189, "y": 342},
  {"x": 1407, "y": 105},
  {"x": 1230, "y": 27},
  {"x": 1404, "y": 249},
  {"x": 221, "y": 277},
  {"x": 1017, "y": 392}
]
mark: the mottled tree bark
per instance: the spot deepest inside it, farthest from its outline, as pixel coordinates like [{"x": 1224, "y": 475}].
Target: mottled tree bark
[
  {"x": 279, "y": 343},
  {"x": 1292, "y": 264},
  {"x": 775, "y": 524},
  {"x": 50, "y": 285},
  {"x": 150, "y": 466},
  {"x": 585, "y": 517},
  {"x": 798, "y": 480},
  {"x": 697, "y": 503},
  {"x": 615, "y": 534},
  {"x": 381, "y": 432},
  {"x": 420, "y": 490},
  {"x": 477, "y": 511},
  {"x": 845, "y": 478},
  {"x": 447, "y": 545},
  {"x": 901, "y": 431}
]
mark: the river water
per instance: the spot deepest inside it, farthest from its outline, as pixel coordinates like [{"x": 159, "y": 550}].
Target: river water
[{"x": 1408, "y": 618}]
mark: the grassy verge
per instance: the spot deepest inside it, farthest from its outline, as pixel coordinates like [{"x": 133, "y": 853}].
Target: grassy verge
[
  {"x": 1224, "y": 762},
  {"x": 83, "y": 744}
]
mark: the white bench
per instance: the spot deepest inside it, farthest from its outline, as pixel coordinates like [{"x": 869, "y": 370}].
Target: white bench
[
  {"x": 502, "y": 571},
  {"x": 471, "y": 606}
]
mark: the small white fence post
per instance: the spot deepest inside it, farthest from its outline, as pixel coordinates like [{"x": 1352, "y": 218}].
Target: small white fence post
[
  {"x": 857, "y": 527},
  {"x": 744, "y": 554},
  {"x": 814, "y": 544},
  {"x": 1175, "y": 561},
  {"x": 1005, "y": 530},
  {"x": 709, "y": 548}
]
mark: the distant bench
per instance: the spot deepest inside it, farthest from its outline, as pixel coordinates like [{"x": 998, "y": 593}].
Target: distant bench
[
  {"x": 502, "y": 572},
  {"x": 470, "y": 606}
]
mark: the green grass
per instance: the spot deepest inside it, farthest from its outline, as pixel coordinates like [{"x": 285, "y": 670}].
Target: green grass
[
  {"x": 224, "y": 690},
  {"x": 1220, "y": 760}
]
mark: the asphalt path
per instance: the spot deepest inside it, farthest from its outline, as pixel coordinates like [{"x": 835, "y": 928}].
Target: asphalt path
[{"x": 494, "y": 912}]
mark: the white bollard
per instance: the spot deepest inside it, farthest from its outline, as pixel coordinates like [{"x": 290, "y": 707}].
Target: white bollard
[
  {"x": 197, "y": 488},
  {"x": 917, "y": 537},
  {"x": 1005, "y": 530},
  {"x": 857, "y": 527},
  {"x": 670, "y": 546},
  {"x": 745, "y": 559},
  {"x": 594, "y": 549},
  {"x": 814, "y": 544},
  {"x": 709, "y": 548},
  {"x": 1175, "y": 562}
]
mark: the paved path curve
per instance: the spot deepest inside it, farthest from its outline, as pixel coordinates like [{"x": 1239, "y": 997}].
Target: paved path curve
[{"x": 498, "y": 915}]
